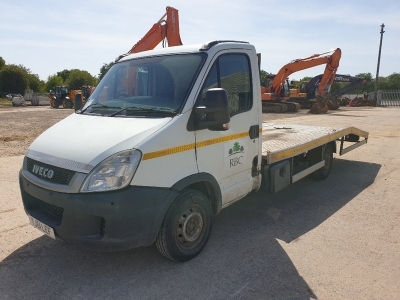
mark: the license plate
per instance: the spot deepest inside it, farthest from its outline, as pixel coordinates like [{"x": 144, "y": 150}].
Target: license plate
[{"x": 42, "y": 227}]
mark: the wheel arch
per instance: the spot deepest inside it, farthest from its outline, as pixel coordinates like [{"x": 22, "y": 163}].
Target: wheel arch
[{"x": 204, "y": 183}]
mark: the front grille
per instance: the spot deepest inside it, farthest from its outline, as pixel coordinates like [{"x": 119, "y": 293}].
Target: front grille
[
  {"x": 59, "y": 175},
  {"x": 43, "y": 211}
]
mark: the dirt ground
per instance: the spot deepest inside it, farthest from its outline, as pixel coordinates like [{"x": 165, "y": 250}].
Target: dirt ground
[
  {"x": 331, "y": 239},
  {"x": 19, "y": 126}
]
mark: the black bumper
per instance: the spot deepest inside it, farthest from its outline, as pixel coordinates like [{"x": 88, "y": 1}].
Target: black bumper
[{"x": 106, "y": 221}]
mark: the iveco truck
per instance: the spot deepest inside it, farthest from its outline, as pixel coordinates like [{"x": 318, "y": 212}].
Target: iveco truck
[{"x": 168, "y": 139}]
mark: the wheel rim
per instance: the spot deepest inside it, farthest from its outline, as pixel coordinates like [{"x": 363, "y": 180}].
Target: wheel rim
[{"x": 190, "y": 227}]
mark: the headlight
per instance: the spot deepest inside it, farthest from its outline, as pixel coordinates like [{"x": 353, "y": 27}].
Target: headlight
[{"x": 113, "y": 173}]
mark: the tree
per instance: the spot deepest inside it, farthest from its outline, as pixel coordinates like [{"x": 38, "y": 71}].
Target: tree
[
  {"x": 64, "y": 74},
  {"x": 35, "y": 84},
  {"x": 263, "y": 77},
  {"x": 369, "y": 86},
  {"x": 13, "y": 79},
  {"x": 104, "y": 69},
  {"x": 53, "y": 81},
  {"x": 78, "y": 78},
  {"x": 2, "y": 62},
  {"x": 393, "y": 81}
]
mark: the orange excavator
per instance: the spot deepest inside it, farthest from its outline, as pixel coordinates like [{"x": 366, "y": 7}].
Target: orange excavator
[
  {"x": 166, "y": 29},
  {"x": 276, "y": 100}
]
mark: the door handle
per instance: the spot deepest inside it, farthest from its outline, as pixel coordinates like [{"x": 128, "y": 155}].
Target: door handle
[{"x": 254, "y": 131}]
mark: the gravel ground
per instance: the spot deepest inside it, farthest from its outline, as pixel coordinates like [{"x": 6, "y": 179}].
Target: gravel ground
[
  {"x": 331, "y": 239},
  {"x": 21, "y": 125}
]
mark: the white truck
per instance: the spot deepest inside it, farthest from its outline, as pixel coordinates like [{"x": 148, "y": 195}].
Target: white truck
[{"x": 168, "y": 138}]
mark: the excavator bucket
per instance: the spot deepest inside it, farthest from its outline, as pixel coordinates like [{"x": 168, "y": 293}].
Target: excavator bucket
[
  {"x": 332, "y": 102},
  {"x": 320, "y": 106},
  {"x": 317, "y": 108}
]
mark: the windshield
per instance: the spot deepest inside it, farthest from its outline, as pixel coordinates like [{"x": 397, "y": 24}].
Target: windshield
[{"x": 145, "y": 86}]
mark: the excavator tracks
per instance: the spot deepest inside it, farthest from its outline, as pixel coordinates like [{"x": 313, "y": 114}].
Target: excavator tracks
[{"x": 279, "y": 107}]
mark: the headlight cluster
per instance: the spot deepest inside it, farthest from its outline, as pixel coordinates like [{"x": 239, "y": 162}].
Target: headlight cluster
[{"x": 113, "y": 173}]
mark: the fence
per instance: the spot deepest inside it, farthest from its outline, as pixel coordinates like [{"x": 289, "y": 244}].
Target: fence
[{"x": 386, "y": 98}]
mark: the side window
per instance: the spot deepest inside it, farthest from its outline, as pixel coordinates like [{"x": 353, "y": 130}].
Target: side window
[
  {"x": 232, "y": 73},
  {"x": 210, "y": 83}
]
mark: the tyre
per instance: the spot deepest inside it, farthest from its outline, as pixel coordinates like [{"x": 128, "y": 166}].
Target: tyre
[
  {"x": 67, "y": 103},
  {"x": 186, "y": 227},
  {"x": 54, "y": 103},
  {"x": 324, "y": 172},
  {"x": 77, "y": 102}
]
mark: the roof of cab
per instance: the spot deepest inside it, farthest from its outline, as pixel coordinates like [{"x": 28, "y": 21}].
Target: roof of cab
[{"x": 179, "y": 49}]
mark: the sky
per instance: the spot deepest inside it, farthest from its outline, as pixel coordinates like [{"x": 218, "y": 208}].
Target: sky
[{"x": 50, "y": 36}]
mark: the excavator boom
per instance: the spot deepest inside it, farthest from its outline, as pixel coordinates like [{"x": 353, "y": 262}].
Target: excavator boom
[
  {"x": 353, "y": 83},
  {"x": 331, "y": 61},
  {"x": 166, "y": 28}
]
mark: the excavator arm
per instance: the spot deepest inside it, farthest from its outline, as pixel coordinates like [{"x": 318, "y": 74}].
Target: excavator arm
[
  {"x": 332, "y": 63},
  {"x": 353, "y": 83},
  {"x": 166, "y": 28}
]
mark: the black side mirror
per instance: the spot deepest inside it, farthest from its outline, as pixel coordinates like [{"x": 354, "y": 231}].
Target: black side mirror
[{"x": 214, "y": 115}]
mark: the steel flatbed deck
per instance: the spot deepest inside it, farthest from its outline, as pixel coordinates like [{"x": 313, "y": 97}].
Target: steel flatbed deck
[{"x": 281, "y": 141}]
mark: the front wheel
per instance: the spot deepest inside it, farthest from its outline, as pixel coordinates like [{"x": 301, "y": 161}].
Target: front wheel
[{"x": 186, "y": 227}]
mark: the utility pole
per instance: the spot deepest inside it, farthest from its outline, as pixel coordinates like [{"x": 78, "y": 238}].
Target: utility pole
[{"x": 377, "y": 67}]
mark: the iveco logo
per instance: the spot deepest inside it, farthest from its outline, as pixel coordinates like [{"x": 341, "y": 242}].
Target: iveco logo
[{"x": 41, "y": 171}]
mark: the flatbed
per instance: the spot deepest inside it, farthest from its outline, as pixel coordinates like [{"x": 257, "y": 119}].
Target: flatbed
[{"x": 281, "y": 141}]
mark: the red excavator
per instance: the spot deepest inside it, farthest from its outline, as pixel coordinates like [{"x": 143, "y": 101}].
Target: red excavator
[{"x": 274, "y": 99}]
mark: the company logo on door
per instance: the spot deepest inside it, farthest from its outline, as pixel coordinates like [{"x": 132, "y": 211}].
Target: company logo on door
[{"x": 235, "y": 154}]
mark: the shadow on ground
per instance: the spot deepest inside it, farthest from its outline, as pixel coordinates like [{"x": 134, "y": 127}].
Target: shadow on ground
[{"x": 242, "y": 260}]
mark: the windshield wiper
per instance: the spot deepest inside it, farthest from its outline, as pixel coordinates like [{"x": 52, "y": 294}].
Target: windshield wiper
[
  {"x": 144, "y": 109},
  {"x": 99, "y": 105}
]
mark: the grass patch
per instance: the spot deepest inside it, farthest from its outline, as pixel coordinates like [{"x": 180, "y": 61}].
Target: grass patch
[{"x": 4, "y": 102}]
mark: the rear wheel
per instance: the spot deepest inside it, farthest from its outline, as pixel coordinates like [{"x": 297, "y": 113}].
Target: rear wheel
[
  {"x": 324, "y": 172},
  {"x": 186, "y": 227},
  {"x": 77, "y": 102},
  {"x": 67, "y": 103},
  {"x": 54, "y": 103}
]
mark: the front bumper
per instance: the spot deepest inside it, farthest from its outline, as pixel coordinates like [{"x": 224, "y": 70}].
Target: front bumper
[{"x": 106, "y": 221}]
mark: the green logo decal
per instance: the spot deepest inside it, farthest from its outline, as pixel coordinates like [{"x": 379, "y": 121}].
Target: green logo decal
[{"x": 236, "y": 149}]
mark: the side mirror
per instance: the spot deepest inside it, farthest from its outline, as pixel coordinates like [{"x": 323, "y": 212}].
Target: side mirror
[{"x": 214, "y": 115}]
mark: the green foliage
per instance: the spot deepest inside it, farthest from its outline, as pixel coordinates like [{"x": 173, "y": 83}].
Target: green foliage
[
  {"x": 78, "y": 78},
  {"x": 2, "y": 62},
  {"x": 13, "y": 79},
  {"x": 393, "y": 82},
  {"x": 64, "y": 74},
  {"x": 104, "y": 69},
  {"x": 53, "y": 81},
  {"x": 35, "y": 84}
]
